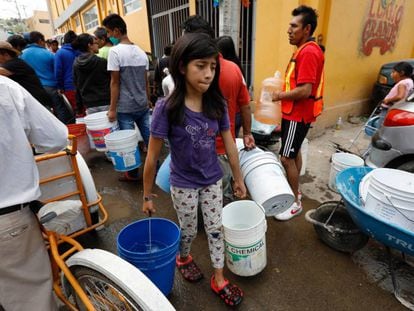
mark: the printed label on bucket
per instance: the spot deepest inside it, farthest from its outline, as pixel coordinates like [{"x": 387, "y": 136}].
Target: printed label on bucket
[
  {"x": 128, "y": 158},
  {"x": 247, "y": 259}
]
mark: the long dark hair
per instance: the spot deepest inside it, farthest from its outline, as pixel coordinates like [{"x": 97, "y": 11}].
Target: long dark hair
[
  {"x": 187, "y": 48},
  {"x": 226, "y": 47}
]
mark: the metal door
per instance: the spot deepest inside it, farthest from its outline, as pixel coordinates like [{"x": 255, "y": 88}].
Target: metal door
[
  {"x": 166, "y": 19},
  {"x": 210, "y": 13}
]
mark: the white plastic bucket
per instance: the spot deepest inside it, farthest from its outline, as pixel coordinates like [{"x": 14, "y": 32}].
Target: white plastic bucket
[
  {"x": 394, "y": 189},
  {"x": 275, "y": 194},
  {"x": 245, "y": 155},
  {"x": 98, "y": 126},
  {"x": 341, "y": 161},
  {"x": 123, "y": 149},
  {"x": 245, "y": 228},
  {"x": 304, "y": 152},
  {"x": 395, "y": 181},
  {"x": 382, "y": 207}
]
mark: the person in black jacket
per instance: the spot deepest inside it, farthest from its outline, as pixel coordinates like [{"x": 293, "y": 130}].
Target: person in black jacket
[
  {"x": 90, "y": 75},
  {"x": 18, "y": 70}
]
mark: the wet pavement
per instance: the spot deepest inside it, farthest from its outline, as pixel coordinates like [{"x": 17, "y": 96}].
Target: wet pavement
[{"x": 302, "y": 273}]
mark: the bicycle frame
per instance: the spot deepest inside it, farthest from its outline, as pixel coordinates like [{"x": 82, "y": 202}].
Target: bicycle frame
[{"x": 53, "y": 239}]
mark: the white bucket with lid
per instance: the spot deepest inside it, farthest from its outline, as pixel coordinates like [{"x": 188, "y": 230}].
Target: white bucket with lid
[
  {"x": 390, "y": 196},
  {"x": 341, "y": 161},
  {"x": 245, "y": 227},
  {"x": 123, "y": 149},
  {"x": 98, "y": 126}
]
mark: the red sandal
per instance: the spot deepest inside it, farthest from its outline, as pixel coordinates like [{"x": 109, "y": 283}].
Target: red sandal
[
  {"x": 126, "y": 177},
  {"x": 231, "y": 294},
  {"x": 188, "y": 269}
]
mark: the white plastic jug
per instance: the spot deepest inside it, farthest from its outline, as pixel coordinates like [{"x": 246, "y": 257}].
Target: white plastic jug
[{"x": 267, "y": 111}]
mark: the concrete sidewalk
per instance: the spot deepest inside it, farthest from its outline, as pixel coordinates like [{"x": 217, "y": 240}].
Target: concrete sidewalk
[{"x": 314, "y": 184}]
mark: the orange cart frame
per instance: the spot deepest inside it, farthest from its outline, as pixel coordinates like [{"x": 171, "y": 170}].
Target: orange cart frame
[{"x": 53, "y": 239}]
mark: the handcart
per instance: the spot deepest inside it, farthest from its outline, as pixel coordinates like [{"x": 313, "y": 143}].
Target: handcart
[
  {"x": 88, "y": 279},
  {"x": 345, "y": 225}
]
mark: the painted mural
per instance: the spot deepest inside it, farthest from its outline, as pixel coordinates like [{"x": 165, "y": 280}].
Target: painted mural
[{"x": 381, "y": 25}]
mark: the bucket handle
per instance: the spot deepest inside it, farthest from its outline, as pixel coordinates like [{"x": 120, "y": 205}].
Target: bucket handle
[
  {"x": 389, "y": 199},
  {"x": 329, "y": 228}
]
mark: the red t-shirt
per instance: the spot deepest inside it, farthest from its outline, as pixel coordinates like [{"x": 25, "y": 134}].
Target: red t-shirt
[
  {"x": 234, "y": 89},
  {"x": 308, "y": 69}
]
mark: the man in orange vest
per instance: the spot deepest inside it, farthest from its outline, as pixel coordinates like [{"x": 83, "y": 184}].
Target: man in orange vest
[{"x": 301, "y": 98}]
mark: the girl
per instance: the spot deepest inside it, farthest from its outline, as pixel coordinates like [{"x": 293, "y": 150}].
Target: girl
[
  {"x": 190, "y": 118},
  {"x": 402, "y": 75}
]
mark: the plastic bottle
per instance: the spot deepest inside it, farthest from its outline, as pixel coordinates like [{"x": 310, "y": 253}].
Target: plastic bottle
[
  {"x": 267, "y": 111},
  {"x": 338, "y": 125}
]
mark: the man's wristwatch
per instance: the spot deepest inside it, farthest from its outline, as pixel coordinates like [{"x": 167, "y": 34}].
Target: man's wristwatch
[{"x": 148, "y": 198}]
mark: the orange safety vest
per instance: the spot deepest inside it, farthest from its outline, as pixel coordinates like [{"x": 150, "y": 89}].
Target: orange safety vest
[{"x": 290, "y": 83}]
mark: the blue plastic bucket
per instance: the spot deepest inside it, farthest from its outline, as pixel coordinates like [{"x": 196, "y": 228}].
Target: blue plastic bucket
[
  {"x": 372, "y": 126},
  {"x": 124, "y": 161},
  {"x": 156, "y": 259},
  {"x": 163, "y": 175},
  {"x": 123, "y": 150}
]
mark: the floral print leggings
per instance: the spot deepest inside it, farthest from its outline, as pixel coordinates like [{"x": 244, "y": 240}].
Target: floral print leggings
[{"x": 209, "y": 199}]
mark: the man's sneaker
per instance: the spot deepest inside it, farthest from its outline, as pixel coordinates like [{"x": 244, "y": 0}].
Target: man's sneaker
[{"x": 291, "y": 212}]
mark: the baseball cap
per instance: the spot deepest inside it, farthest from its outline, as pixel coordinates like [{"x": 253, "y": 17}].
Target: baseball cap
[{"x": 4, "y": 45}]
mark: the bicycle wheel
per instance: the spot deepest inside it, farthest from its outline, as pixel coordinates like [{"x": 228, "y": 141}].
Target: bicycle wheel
[{"x": 111, "y": 283}]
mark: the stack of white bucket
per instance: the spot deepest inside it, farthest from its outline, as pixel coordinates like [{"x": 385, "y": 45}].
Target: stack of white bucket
[
  {"x": 264, "y": 177},
  {"x": 388, "y": 194}
]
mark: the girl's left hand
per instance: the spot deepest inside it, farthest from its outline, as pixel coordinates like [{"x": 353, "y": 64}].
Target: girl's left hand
[{"x": 239, "y": 189}]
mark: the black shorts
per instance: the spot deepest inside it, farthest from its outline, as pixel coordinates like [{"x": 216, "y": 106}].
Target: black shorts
[{"x": 293, "y": 134}]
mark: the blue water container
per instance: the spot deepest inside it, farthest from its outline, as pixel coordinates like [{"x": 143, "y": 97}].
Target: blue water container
[
  {"x": 163, "y": 176},
  {"x": 151, "y": 245}
]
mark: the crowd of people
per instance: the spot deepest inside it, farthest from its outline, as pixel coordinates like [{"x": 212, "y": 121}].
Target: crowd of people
[{"x": 206, "y": 108}]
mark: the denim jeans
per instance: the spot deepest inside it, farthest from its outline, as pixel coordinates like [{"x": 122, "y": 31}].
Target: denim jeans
[{"x": 141, "y": 119}]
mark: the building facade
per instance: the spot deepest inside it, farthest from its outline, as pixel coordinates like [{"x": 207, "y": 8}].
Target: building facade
[
  {"x": 40, "y": 21},
  {"x": 359, "y": 36}
]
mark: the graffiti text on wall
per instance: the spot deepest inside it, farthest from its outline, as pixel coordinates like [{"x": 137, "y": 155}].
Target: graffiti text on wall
[{"x": 381, "y": 25}]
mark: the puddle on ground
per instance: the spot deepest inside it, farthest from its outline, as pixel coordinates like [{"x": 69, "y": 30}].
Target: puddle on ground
[
  {"x": 119, "y": 203},
  {"x": 307, "y": 178},
  {"x": 374, "y": 260}
]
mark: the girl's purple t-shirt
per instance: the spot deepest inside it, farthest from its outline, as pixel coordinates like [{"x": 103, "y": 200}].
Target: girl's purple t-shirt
[{"x": 194, "y": 161}]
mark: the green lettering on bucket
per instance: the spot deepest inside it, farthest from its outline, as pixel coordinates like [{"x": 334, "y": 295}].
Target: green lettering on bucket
[{"x": 239, "y": 253}]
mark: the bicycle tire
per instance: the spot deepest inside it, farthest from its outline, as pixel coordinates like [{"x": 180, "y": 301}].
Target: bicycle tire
[{"x": 111, "y": 272}]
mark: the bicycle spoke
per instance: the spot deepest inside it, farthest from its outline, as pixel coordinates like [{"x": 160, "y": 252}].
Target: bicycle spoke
[{"x": 104, "y": 296}]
